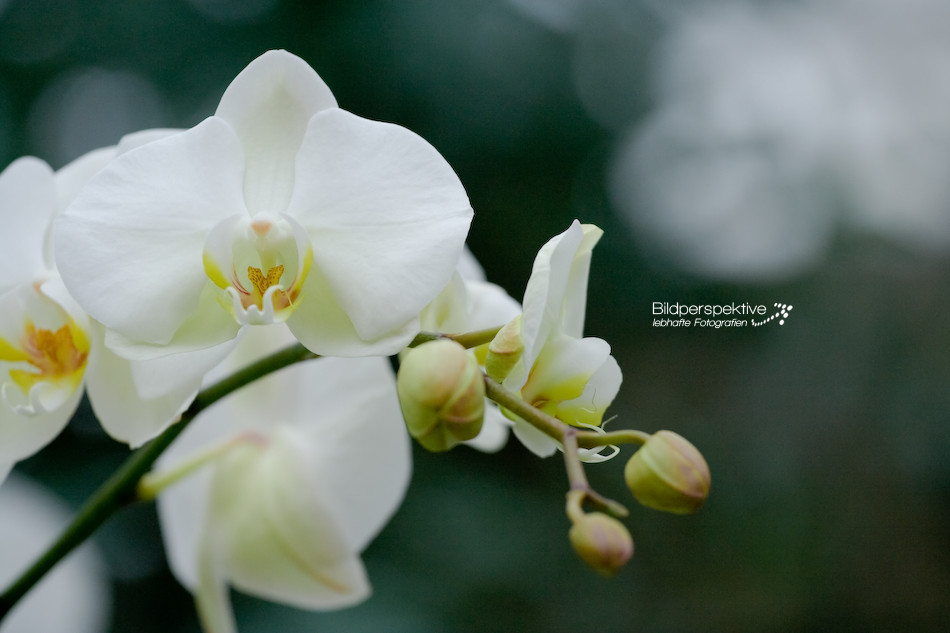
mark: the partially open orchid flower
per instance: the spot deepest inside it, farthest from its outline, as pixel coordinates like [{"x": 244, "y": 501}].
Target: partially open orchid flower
[
  {"x": 561, "y": 372},
  {"x": 279, "y": 208},
  {"x": 283, "y": 484}
]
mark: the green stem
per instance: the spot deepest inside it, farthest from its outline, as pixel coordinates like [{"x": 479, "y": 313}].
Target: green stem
[
  {"x": 570, "y": 439},
  {"x": 553, "y": 427},
  {"x": 545, "y": 423},
  {"x": 588, "y": 439},
  {"x": 467, "y": 340},
  {"x": 120, "y": 489}
]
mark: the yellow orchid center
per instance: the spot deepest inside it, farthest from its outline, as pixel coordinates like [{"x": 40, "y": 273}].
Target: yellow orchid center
[
  {"x": 275, "y": 252},
  {"x": 53, "y": 355}
]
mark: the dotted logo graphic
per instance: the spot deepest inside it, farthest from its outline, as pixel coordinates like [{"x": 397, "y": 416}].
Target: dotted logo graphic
[{"x": 782, "y": 314}]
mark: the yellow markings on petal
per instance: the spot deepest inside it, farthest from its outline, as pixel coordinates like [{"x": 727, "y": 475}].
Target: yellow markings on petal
[
  {"x": 10, "y": 352},
  {"x": 214, "y": 271},
  {"x": 54, "y": 355}
]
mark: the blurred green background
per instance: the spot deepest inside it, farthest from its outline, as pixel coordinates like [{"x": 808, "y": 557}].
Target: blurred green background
[{"x": 828, "y": 437}]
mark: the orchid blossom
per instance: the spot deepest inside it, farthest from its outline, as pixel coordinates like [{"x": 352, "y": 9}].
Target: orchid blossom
[
  {"x": 277, "y": 489},
  {"x": 561, "y": 372},
  {"x": 280, "y": 207}
]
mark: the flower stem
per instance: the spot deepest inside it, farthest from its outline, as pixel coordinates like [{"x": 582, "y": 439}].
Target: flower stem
[
  {"x": 467, "y": 340},
  {"x": 120, "y": 489},
  {"x": 570, "y": 438}
]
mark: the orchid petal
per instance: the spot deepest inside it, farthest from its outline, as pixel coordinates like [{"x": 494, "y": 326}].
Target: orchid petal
[
  {"x": 208, "y": 326},
  {"x": 124, "y": 413},
  {"x": 24, "y": 435},
  {"x": 28, "y": 196},
  {"x": 387, "y": 215},
  {"x": 129, "y": 247},
  {"x": 574, "y": 304},
  {"x": 269, "y": 104},
  {"x": 212, "y": 597},
  {"x": 563, "y": 369},
  {"x": 545, "y": 292},
  {"x": 469, "y": 267},
  {"x": 494, "y": 433},
  {"x": 534, "y": 440},
  {"x": 601, "y": 389},
  {"x": 489, "y": 306},
  {"x": 323, "y": 327}
]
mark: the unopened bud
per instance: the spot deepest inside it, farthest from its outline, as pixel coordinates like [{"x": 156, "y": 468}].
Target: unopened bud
[
  {"x": 602, "y": 542},
  {"x": 442, "y": 394},
  {"x": 669, "y": 474},
  {"x": 505, "y": 350}
]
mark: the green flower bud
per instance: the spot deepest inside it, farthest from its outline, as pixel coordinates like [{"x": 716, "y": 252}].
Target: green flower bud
[
  {"x": 442, "y": 394},
  {"x": 505, "y": 350},
  {"x": 602, "y": 542},
  {"x": 669, "y": 474}
]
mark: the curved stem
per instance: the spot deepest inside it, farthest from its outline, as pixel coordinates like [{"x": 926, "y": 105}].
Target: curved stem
[
  {"x": 120, "y": 489},
  {"x": 467, "y": 340}
]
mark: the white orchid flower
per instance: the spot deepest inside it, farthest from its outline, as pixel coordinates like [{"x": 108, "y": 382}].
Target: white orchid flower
[
  {"x": 75, "y": 595},
  {"x": 467, "y": 304},
  {"x": 561, "y": 372},
  {"x": 279, "y": 208},
  {"x": 44, "y": 337},
  {"x": 287, "y": 482}
]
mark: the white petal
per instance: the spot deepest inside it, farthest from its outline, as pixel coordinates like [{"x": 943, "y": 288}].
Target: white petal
[
  {"x": 494, "y": 433},
  {"x": 563, "y": 369},
  {"x": 27, "y": 204},
  {"x": 599, "y": 392},
  {"x": 124, "y": 413},
  {"x": 469, "y": 267},
  {"x": 448, "y": 312},
  {"x": 212, "y": 595},
  {"x": 574, "y": 305},
  {"x": 23, "y": 435},
  {"x": 489, "y": 306},
  {"x": 129, "y": 247},
  {"x": 269, "y": 104},
  {"x": 359, "y": 443},
  {"x": 137, "y": 139},
  {"x": 72, "y": 177},
  {"x": 209, "y": 326},
  {"x": 322, "y": 326},
  {"x": 534, "y": 440},
  {"x": 387, "y": 215},
  {"x": 545, "y": 292}
]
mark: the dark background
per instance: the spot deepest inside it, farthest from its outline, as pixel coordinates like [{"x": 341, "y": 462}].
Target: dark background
[{"x": 828, "y": 437}]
